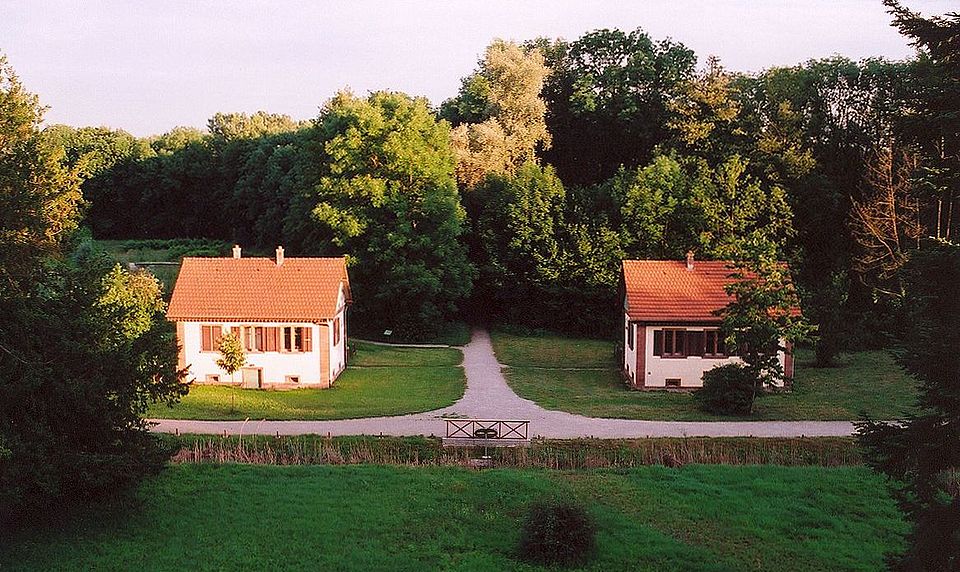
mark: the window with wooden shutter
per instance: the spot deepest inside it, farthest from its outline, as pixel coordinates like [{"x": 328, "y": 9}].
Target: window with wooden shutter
[
  {"x": 307, "y": 339},
  {"x": 206, "y": 338},
  {"x": 294, "y": 339},
  {"x": 258, "y": 339},
  {"x": 694, "y": 343},
  {"x": 271, "y": 337},
  {"x": 336, "y": 331},
  {"x": 249, "y": 342},
  {"x": 235, "y": 330},
  {"x": 210, "y": 338}
]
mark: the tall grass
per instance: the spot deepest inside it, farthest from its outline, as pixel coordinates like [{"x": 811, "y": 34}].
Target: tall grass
[{"x": 550, "y": 454}]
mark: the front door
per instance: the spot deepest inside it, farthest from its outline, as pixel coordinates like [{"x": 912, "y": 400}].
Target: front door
[{"x": 251, "y": 377}]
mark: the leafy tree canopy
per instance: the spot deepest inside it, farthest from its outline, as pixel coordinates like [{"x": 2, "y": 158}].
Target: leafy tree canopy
[
  {"x": 39, "y": 198},
  {"x": 387, "y": 196},
  {"x": 509, "y": 82},
  {"x": 81, "y": 355}
]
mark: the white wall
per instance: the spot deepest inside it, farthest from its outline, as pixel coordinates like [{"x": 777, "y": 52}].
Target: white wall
[
  {"x": 276, "y": 365},
  {"x": 338, "y": 352},
  {"x": 689, "y": 369},
  {"x": 629, "y": 355}
]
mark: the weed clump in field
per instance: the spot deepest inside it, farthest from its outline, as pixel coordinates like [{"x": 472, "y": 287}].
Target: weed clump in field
[{"x": 557, "y": 532}]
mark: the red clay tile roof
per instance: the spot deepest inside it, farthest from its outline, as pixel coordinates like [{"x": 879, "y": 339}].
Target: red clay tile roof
[
  {"x": 665, "y": 291},
  {"x": 256, "y": 289}
]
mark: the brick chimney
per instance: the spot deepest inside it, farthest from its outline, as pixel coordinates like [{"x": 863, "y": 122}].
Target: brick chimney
[
  {"x": 689, "y": 260},
  {"x": 279, "y": 255},
  {"x": 236, "y": 251}
]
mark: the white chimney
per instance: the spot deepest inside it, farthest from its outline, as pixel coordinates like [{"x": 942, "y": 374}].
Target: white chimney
[
  {"x": 236, "y": 251},
  {"x": 689, "y": 260},
  {"x": 279, "y": 255}
]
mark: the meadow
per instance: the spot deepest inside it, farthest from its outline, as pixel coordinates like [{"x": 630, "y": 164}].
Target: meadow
[{"x": 694, "y": 518}]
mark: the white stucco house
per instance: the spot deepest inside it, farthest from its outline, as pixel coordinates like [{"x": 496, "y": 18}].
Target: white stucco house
[
  {"x": 670, "y": 329},
  {"x": 290, "y": 314}
]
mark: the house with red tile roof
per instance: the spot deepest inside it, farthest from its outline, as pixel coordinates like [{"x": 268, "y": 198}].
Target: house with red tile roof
[
  {"x": 671, "y": 327},
  {"x": 290, "y": 315}
]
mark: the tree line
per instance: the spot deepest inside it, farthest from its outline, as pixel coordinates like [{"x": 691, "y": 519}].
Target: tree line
[{"x": 520, "y": 195}]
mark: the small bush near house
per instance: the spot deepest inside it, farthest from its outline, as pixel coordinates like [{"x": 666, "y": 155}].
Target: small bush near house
[
  {"x": 727, "y": 390},
  {"x": 557, "y": 532}
]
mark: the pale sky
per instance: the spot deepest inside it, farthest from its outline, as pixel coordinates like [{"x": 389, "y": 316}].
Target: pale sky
[{"x": 149, "y": 66}]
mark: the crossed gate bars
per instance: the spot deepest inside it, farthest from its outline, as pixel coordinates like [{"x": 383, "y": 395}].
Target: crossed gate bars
[{"x": 487, "y": 429}]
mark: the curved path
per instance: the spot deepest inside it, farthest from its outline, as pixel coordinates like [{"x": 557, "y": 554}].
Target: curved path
[{"x": 489, "y": 397}]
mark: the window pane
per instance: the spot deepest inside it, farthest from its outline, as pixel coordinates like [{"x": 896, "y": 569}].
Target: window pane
[
  {"x": 695, "y": 343},
  {"x": 658, "y": 342}
]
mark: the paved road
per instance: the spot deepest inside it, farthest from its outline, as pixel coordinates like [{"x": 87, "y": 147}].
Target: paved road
[{"x": 489, "y": 397}]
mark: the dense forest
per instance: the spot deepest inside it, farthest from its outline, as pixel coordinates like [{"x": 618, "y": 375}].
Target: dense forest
[{"x": 516, "y": 199}]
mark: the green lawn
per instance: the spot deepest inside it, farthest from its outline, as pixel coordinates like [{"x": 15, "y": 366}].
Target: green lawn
[
  {"x": 866, "y": 382},
  {"x": 379, "y": 381},
  {"x": 696, "y": 518},
  {"x": 372, "y": 355},
  {"x": 551, "y": 351}
]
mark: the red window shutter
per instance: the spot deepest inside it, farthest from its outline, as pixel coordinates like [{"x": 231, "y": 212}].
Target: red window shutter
[
  {"x": 217, "y": 336},
  {"x": 205, "y": 339},
  {"x": 235, "y": 330},
  {"x": 259, "y": 339},
  {"x": 307, "y": 339},
  {"x": 336, "y": 331},
  {"x": 658, "y": 342},
  {"x": 270, "y": 339}
]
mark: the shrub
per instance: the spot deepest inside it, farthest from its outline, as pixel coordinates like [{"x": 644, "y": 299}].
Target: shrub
[
  {"x": 557, "y": 532},
  {"x": 727, "y": 390}
]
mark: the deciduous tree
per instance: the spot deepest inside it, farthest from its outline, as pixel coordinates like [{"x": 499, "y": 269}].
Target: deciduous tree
[
  {"x": 232, "y": 356},
  {"x": 387, "y": 196},
  {"x": 510, "y": 79},
  {"x": 39, "y": 197},
  {"x": 81, "y": 356},
  {"x": 763, "y": 315}
]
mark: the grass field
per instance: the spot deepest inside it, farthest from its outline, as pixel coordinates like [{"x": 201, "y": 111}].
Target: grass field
[
  {"x": 696, "y": 518},
  {"x": 543, "y": 368},
  {"x": 380, "y": 381}
]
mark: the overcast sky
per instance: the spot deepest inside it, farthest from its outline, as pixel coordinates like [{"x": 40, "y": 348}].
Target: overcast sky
[{"x": 149, "y": 66}]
